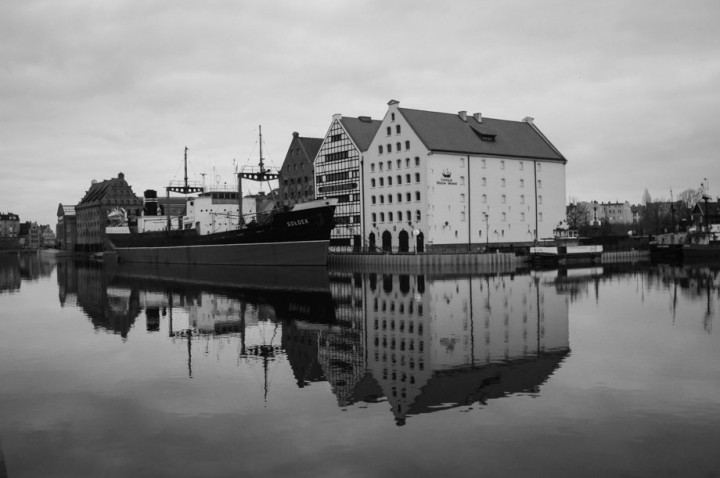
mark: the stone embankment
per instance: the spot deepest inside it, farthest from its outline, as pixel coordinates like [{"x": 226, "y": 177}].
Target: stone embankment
[{"x": 496, "y": 262}]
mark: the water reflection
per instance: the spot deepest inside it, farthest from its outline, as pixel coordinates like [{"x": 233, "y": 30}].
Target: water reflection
[
  {"x": 422, "y": 342},
  {"x": 692, "y": 282},
  {"x": 477, "y": 365},
  {"x": 16, "y": 268}
]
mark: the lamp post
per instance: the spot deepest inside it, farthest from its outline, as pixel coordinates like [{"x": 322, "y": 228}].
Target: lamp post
[{"x": 487, "y": 230}]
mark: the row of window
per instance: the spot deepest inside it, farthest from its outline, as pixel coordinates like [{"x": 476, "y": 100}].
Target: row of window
[
  {"x": 401, "y": 344},
  {"x": 521, "y": 164},
  {"x": 291, "y": 181},
  {"x": 503, "y": 199},
  {"x": 407, "y": 216},
  {"x": 381, "y": 181},
  {"x": 398, "y": 147},
  {"x": 398, "y": 163},
  {"x": 389, "y": 130},
  {"x": 339, "y": 176},
  {"x": 408, "y": 197},
  {"x": 295, "y": 166},
  {"x": 401, "y": 323}
]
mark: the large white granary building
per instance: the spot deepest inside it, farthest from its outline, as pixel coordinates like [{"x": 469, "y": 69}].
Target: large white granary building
[{"x": 440, "y": 181}]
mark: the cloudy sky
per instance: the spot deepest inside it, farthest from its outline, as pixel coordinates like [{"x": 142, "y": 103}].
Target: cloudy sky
[{"x": 627, "y": 90}]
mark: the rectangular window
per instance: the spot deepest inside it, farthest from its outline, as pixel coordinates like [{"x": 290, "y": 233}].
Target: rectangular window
[{"x": 336, "y": 156}]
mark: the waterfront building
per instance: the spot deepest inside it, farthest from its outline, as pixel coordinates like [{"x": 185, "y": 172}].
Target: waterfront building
[
  {"x": 102, "y": 199},
  {"x": 29, "y": 235},
  {"x": 296, "y": 177},
  {"x": 66, "y": 228},
  {"x": 460, "y": 182},
  {"x": 337, "y": 174},
  {"x": 9, "y": 230},
  {"x": 706, "y": 213},
  {"x": 612, "y": 212},
  {"x": 47, "y": 236}
]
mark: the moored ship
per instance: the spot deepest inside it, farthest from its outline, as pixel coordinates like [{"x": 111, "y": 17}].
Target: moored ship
[{"x": 269, "y": 235}]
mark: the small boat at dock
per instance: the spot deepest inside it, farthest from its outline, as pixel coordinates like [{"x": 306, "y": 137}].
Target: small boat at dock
[{"x": 564, "y": 249}]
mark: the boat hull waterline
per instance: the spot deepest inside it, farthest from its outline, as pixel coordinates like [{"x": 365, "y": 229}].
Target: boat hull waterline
[
  {"x": 287, "y": 238},
  {"x": 305, "y": 253}
]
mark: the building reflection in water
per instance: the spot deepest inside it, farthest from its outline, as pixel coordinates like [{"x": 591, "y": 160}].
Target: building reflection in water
[
  {"x": 441, "y": 341},
  {"x": 27, "y": 266},
  {"x": 420, "y": 342}
]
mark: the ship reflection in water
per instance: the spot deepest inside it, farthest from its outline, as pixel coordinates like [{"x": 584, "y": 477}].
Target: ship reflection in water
[{"x": 422, "y": 342}]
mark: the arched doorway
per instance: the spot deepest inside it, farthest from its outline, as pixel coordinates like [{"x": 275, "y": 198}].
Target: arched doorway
[
  {"x": 387, "y": 241},
  {"x": 420, "y": 240},
  {"x": 403, "y": 241},
  {"x": 372, "y": 244}
]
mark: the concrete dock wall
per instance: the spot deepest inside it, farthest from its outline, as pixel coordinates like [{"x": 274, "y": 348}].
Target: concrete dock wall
[{"x": 491, "y": 262}]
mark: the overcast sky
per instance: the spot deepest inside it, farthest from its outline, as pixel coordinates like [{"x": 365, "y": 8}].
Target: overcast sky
[{"x": 628, "y": 91}]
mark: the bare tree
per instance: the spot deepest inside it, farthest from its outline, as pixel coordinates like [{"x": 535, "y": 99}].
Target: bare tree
[
  {"x": 577, "y": 214},
  {"x": 690, "y": 197}
]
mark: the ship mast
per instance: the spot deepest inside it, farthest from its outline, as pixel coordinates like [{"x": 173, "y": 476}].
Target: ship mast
[
  {"x": 183, "y": 189},
  {"x": 261, "y": 175}
]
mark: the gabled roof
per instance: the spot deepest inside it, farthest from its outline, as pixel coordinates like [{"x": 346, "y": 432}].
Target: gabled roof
[
  {"x": 65, "y": 210},
  {"x": 447, "y": 132},
  {"x": 712, "y": 207},
  {"x": 310, "y": 145},
  {"x": 96, "y": 191},
  {"x": 361, "y": 130}
]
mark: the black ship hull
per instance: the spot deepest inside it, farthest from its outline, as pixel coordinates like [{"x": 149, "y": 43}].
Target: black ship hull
[{"x": 286, "y": 238}]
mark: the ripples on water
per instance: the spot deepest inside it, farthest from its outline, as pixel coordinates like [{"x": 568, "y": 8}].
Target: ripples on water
[{"x": 175, "y": 371}]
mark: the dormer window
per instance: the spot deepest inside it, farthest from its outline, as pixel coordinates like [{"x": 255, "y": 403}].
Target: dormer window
[{"x": 484, "y": 134}]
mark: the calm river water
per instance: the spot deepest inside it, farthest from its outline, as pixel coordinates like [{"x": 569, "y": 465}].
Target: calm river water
[{"x": 126, "y": 371}]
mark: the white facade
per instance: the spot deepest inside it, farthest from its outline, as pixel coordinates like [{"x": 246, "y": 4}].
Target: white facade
[{"x": 455, "y": 199}]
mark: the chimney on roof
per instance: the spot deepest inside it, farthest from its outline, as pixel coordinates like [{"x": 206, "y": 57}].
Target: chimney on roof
[
  {"x": 337, "y": 116},
  {"x": 529, "y": 119},
  {"x": 295, "y": 134},
  {"x": 121, "y": 176},
  {"x": 393, "y": 102},
  {"x": 365, "y": 119},
  {"x": 463, "y": 115},
  {"x": 93, "y": 182},
  {"x": 478, "y": 117}
]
